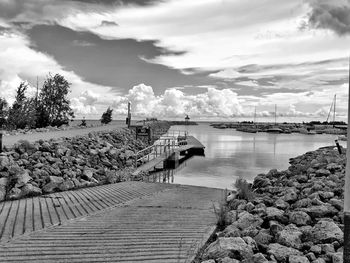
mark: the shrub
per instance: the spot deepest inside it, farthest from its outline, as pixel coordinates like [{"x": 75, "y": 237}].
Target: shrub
[{"x": 244, "y": 190}]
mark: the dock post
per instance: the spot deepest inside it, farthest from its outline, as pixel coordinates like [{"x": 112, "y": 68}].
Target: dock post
[
  {"x": 1, "y": 133},
  {"x": 338, "y": 146}
]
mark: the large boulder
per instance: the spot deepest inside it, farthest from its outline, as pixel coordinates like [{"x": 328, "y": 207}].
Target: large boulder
[
  {"x": 228, "y": 246},
  {"x": 30, "y": 190},
  {"x": 299, "y": 218},
  {"x": 326, "y": 232},
  {"x": 282, "y": 253},
  {"x": 22, "y": 178},
  {"x": 3, "y": 185},
  {"x": 4, "y": 162},
  {"x": 290, "y": 236},
  {"x": 246, "y": 219},
  {"x": 298, "y": 259},
  {"x": 319, "y": 211}
]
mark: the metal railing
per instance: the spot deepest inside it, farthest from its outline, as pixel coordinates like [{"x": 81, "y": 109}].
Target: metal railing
[{"x": 165, "y": 145}]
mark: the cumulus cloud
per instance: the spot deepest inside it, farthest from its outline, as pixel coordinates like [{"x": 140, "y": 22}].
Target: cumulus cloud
[{"x": 332, "y": 15}]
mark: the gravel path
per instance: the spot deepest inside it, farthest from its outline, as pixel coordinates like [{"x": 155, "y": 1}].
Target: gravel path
[{"x": 12, "y": 139}]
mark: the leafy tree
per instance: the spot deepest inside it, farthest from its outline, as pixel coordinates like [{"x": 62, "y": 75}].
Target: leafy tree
[
  {"x": 53, "y": 106},
  {"x": 22, "y": 114},
  {"x": 3, "y": 111},
  {"x": 107, "y": 116}
]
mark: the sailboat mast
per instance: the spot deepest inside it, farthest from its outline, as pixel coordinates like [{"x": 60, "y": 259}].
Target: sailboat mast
[
  {"x": 255, "y": 117},
  {"x": 335, "y": 101},
  {"x": 275, "y": 113}
]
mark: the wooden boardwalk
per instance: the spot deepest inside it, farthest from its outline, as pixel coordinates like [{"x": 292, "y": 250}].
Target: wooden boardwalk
[{"x": 125, "y": 222}]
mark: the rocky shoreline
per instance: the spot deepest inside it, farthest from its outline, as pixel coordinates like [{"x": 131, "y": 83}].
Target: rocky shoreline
[
  {"x": 293, "y": 216},
  {"x": 29, "y": 169}
]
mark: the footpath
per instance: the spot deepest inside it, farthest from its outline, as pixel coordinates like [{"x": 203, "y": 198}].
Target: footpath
[{"x": 123, "y": 222}]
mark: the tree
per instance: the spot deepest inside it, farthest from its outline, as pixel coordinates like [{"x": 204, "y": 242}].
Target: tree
[
  {"x": 22, "y": 114},
  {"x": 3, "y": 111},
  {"x": 107, "y": 116},
  {"x": 53, "y": 107}
]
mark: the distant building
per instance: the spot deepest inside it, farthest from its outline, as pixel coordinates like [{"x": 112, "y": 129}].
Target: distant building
[{"x": 187, "y": 119}]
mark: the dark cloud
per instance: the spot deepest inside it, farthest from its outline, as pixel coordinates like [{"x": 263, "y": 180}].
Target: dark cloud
[
  {"x": 119, "y": 2},
  {"x": 115, "y": 63},
  {"x": 333, "y": 15}
]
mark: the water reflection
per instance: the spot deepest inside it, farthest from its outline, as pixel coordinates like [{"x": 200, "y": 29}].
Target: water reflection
[{"x": 230, "y": 154}]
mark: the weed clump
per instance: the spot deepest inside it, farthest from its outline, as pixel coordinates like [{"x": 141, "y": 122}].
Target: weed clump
[{"x": 244, "y": 190}]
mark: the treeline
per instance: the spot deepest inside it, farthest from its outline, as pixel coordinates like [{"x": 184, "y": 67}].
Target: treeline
[{"x": 49, "y": 107}]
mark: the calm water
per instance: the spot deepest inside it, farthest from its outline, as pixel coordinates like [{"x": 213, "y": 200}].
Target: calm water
[{"x": 230, "y": 154}]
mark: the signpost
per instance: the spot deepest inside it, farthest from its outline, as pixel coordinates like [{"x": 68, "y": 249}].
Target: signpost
[
  {"x": 143, "y": 132},
  {"x": 128, "y": 118}
]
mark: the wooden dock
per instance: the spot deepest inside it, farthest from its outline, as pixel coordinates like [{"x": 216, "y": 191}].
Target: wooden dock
[
  {"x": 124, "y": 222},
  {"x": 192, "y": 145}
]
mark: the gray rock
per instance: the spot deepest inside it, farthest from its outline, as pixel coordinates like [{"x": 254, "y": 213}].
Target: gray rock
[
  {"x": 290, "y": 195},
  {"x": 290, "y": 236},
  {"x": 326, "y": 195},
  {"x": 225, "y": 246},
  {"x": 22, "y": 177},
  {"x": 273, "y": 213},
  {"x": 319, "y": 211},
  {"x": 56, "y": 179},
  {"x": 338, "y": 204},
  {"x": 322, "y": 172},
  {"x": 66, "y": 185},
  {"x": 263, "y": 237},
  {"x": 281, "y": 204},
  {"x": 337, "y": 257},
  {"x": 246, "y": 219},
  {"x": 282, "y": 253},
  {"x": 259, "y": 258},
  {"x": 87, "y": 174},
  {"x": 209, "y": 261},
  {"x": 316, "y": 249},
  {"x": 326, "y": 231},
  {"x": 4, "y": 162},
  {"x": 232, "y": 231},
  {"x": 298, "y": 259},
  {"x": 319, "y": 260},
  {"x": 14, "y": 193},
  {"x": 30, "y": 190},
  {"x": 229, "y": 260},
  {"x": 299, "y": 218},
  {"x": 327, "y": 248}
]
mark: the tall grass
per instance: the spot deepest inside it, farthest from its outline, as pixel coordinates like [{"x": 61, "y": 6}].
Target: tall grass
[
  {"x": 221, "y": 211},
  {"x": 244, "y": 190}
]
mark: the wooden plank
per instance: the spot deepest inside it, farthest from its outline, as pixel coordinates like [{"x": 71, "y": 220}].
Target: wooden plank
[
  {"x": 20, "y": 221},
  {"x": 11, "y": 221},
  {"x": 28, "y": 226},
  {"x": 37, "y": 216}
]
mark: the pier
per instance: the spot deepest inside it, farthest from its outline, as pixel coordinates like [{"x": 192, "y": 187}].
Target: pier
[
  {"x": 167, "y": 150},
  {"x": 123, "y": 222}
]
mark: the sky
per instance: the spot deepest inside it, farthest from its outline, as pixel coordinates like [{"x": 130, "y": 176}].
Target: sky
[{"x": 210, "y": 59}]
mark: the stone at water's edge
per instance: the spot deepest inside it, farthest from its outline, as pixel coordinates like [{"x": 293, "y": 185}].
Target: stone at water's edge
[{"x": 296, "y": 215}]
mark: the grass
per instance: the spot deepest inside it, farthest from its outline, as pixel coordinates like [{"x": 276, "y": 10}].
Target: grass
[
  {"x": 221, "y": 211},
  {"x": 244, "y": 190}
]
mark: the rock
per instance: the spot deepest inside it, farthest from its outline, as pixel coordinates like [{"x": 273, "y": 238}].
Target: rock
[
  {"x": 327, "y": 248},
  {"x": 326, "y": 195},
  {"x": 290, "y": 195},
  {"x": 225, "y": 246},
  {"x": 50, "y": 187},
  {"x": 4, "y": 162},
  {"x": 229, "y": 260},
  {"x": 337, "y": 257},
  {"x": 298, "y": 259},
  {"x": 282, "y": 253},
  {"x": 326, "y": 231},
  {"x": 246, "y": 219},
  {"x": 259, "y": 258},
  {"x": 22, "y": 177},
  {"x": 319, "y": 260},
  {"x": 318, "y": 211},
  {"x": 232, "y": 231},
  {"x": 290, "y": 236},
  {"x": 56, "y": 179},
  {"x": 322, "y": 172},
  {"x": 316, "y": 249},
  {"x": 263, "y": 237},
  {"x": 209, "y": 261},
  {"x": 281, "y": 204},
  {"x": 129, "y": 154},
  {"x": 261, "y": 182},
  {"x": 273, "y": 213},
  {"x": 299, "y": 218},
  {"x": 338, "y": 204},
  {"x": 305, "y": 202},
  {"x": 310, "y": 256},
  {"x": 251, "y": 231},
  {"x": 87, "y": 174},
  {"x": 14, "y": 193},
  {"x": 66, "y": 185},
  {"x": 3, "y": 185},
  {"x": 30, "y": 190},
  {"x": 250, "y": 242}
]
